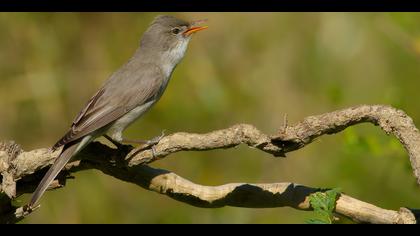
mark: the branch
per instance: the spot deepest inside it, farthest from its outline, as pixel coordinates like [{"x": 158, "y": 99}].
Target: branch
[
  {"x": 25, "y": 169},
  {"x": 291, "y": 138}
]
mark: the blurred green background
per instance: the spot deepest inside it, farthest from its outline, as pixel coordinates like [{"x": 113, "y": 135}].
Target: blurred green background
[{"x": 246, "y": 68}]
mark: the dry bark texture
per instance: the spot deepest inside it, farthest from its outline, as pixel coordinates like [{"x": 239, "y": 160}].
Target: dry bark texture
[{"x": 22, "y": 170}]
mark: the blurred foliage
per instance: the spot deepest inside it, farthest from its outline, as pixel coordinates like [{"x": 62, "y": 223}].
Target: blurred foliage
[{"x": 246, "y": 68}]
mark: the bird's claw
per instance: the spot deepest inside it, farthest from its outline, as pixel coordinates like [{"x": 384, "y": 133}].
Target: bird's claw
[
  {"x": 155, "y": 140},
  {"x": 153, "y": 152},
  {"x": 150, "y": 144}
]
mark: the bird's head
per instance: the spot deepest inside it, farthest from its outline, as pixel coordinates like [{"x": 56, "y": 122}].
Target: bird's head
[{"x": 169, "y": 36}]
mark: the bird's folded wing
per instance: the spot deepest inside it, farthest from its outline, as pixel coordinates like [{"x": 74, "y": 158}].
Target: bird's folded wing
[{"x": 124, "y": 91}]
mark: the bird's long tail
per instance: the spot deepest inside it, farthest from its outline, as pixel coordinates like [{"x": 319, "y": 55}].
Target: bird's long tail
[{"x": 69, "y": 150}]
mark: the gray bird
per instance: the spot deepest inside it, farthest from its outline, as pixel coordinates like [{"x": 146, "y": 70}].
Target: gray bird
[{"x": 129, "y": 93}]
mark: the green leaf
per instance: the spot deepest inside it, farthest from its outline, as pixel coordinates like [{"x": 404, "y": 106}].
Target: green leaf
[
  {"x": 331, "y": 198},
  {"x": 323, "y": 203}
]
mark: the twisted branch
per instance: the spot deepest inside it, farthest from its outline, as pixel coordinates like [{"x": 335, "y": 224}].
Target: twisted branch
[{"x": 21, "y": 171}]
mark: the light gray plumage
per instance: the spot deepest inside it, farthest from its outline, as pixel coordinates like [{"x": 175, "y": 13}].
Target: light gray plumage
[{"x": 127, "y": 94}]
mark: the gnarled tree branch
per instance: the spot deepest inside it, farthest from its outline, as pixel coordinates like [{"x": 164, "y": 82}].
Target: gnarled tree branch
[{"x": 21, "y": 171}]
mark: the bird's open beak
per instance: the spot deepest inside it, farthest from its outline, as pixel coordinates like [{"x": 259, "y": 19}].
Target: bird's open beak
[{"x": 194, "y": 29}]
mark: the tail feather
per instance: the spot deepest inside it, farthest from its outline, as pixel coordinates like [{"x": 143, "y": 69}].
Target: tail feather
[{"x": 67, "y": 153}]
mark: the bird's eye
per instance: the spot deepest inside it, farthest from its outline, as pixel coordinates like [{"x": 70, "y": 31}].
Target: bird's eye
[{"x": 176, "y": 30}]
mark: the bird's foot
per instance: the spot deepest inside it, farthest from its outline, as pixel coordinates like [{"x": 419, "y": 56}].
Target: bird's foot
[
  {"x": 148, "y": 144},
  {"x": 156, "y": 139}
]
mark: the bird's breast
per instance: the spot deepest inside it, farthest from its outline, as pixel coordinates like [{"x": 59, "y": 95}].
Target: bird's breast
[
  {"x": 115, "y": 130},
  {"x": 134, "y": 114}
]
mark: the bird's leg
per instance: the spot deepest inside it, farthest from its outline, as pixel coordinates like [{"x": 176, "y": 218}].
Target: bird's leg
[
  {"x": 147, "y": 143},
  {"x": 135, "y": 141},
  {"x": 116, "y": 143}
]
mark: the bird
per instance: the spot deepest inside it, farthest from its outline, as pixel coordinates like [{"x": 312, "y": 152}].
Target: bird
[{"x": 127, "y": 94}]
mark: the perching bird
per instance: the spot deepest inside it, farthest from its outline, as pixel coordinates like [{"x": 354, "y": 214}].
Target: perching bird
[{"x": 127, "y": 94}]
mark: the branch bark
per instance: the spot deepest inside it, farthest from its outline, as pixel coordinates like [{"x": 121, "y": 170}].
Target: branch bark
[{"x": 21, "y": 171}]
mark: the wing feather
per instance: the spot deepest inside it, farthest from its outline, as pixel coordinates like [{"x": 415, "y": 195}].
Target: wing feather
[{"x": 125, "y": 90}]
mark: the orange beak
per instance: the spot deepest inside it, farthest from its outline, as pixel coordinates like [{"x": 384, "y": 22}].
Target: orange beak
[{"x": 194, "y": 29}]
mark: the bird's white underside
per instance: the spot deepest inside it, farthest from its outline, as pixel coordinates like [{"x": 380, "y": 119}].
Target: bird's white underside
[{"x": 116, "y": 129}]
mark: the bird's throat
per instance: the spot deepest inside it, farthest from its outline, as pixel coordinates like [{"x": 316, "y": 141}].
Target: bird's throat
[{"x": 173, "y": 56}]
